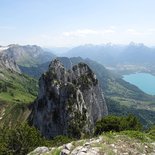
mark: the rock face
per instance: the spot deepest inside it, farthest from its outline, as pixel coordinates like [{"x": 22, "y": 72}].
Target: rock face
[
  {"x": 26, "y": 55},
  {"x": 69, "y": 101},
  {"x": 7, "y": 62}
]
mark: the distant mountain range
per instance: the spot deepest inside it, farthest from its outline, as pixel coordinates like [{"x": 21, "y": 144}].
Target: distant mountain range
[
  {"x": 118, "y": 57},
  {"x": 111, "y": 56}
]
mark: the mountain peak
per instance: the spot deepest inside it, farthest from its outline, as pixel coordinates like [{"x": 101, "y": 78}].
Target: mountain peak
[
  {"x": 55, "y": 64},
  {"x": 69, "y": 101}
]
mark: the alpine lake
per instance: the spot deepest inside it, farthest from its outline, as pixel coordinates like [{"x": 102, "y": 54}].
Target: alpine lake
[{"x": 144, "y": 81}]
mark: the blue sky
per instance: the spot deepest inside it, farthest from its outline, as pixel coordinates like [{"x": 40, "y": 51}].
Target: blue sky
[{"x": 59, "y": 23}]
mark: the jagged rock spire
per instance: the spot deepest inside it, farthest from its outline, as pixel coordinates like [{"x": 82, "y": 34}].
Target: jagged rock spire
[{"x": 69, "y": 101}]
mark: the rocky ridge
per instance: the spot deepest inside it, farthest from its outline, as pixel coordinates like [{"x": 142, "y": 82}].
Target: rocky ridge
[
  {"x": 106, "y": 144},
  {"x": 69, "y": 101},
  {"x": 28, "y": 55}
]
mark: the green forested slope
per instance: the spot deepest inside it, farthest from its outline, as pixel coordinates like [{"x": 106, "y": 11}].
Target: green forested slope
[{"x": 17, "y": 91}]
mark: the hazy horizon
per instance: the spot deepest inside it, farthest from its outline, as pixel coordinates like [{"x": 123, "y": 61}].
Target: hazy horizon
[
  {"x": 66, "y": 23},
  {"x": 74, "y": 46}
]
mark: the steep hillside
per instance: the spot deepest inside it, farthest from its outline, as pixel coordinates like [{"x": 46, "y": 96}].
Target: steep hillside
[
  {"x": 35, "y": 71},
  {"x": 16, "y": 91}
]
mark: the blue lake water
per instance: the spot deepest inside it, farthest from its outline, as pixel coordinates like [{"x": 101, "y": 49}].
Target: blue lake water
[{"x": 144, "y": 81}]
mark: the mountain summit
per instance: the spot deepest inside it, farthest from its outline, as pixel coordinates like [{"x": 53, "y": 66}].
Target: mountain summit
[
  {"x": 69, "y": 101},
  {"x": 28, "y": 55}
]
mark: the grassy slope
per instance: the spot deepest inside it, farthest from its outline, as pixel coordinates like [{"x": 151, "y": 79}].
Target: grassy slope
[
  {"x": 30, "y": 61},
  {"x": 27, "y": 61},
  {"x": 17, "y": 91}
]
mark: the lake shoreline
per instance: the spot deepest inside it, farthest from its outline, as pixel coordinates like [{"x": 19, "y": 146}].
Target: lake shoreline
[{"x": 144, "y": 81}]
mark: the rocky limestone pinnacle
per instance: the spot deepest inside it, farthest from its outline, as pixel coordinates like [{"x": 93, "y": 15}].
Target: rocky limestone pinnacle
[{"x": 69, "y": 101}]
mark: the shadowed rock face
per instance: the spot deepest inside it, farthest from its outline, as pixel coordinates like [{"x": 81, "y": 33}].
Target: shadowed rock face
[{"x": 69, "y": 102}]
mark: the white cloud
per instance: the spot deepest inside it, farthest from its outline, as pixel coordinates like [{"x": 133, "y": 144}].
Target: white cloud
[
  {"x": 134, "y": 32},
  {"x": 108, "y": 31},
  {"x": 140, "y": 33},
  {"x": 86, "y": 32},
  {"x": 81, "y": 33}
]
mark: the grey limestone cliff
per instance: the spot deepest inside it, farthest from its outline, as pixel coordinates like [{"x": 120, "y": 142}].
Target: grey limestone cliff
[
  {"x": 7, "y": 62},
  {"x": 69, "y": 101}
]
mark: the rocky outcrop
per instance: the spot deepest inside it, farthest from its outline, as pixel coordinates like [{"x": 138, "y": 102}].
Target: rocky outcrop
[
  {"x": 7, "y": 62},
  {"x": 69, "y": 101},
  {"x": 115, "y": 144}
]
